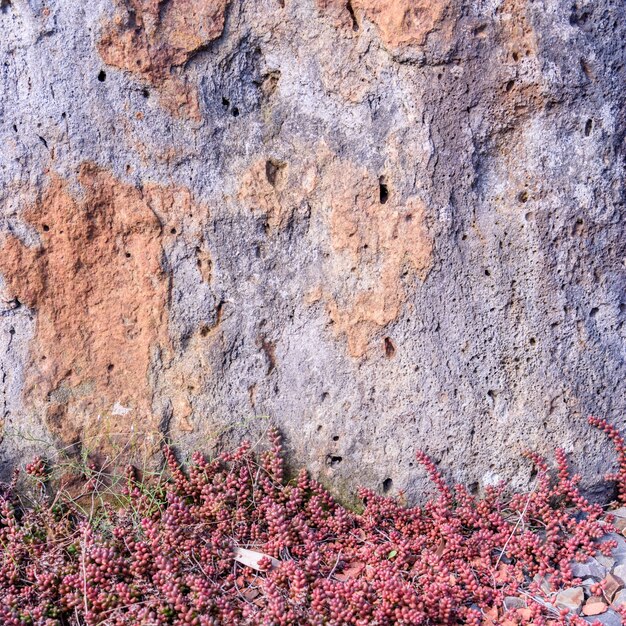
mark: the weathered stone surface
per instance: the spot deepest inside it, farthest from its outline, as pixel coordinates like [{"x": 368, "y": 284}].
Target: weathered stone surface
[
  {"x": 595, "y": 606},
  {"x": 619, "y": 599},
  {"x": 571, "y": 599},
  {"x": 610, "y": 586},
  {"x": 606, "y": 561},
  {"x": 512, "y": 603},
  {"x": 589, "y": 569},
  {"x": 388, "y": 225},
  {"x": 620, "y": 572},
  {"x": 609, "y": 618},
  {"x": 151, "y": 38}
]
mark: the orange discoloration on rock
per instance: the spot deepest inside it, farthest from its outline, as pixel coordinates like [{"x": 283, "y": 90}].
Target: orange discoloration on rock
[
  {"x": 338, "y": 12},
  {"x": 400, "y": 22},
  {"x": 518, "y": 41},
  {"x": 404, "y": 22},
  {"x": 152, "y": 38},
  {"x": 100, "y": 294},
  {"x": 516, "y": 33},
  {"x": 180, "y": 98},
  {"x": 521, "y": 95},
  {"x": 377, "y": 245},
  {"x": 272, "y": 189},
  {"x": 181, "y": 216},
  {"x": 261, "y": 189}
]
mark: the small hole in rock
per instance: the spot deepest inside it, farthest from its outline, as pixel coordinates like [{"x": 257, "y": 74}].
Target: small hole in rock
[
  {"x": 487, "y": 273},
  {"x": 145, "y": 93},
  {"x": 336, "y": 438},
  {"x": 522, "y": 196},
  {"x": 515, "y": 56},
  {"x": 383, "y": 190},
  {"x": 387, "y": 485},
  {"x": 271, "y": 172},
  {"x": 532, "y": 341},
  {"x": 390, "y": 349},
  {"x": 110, "y": 367},
  {"x": 588, "y": 127},
  {"x": 225, "y": 102},
  {"x": 333, "y": 461},
  {"x": 235, "y": 112},
  {"x": 593, "y": 311},
  {"x": 172, "y": 231},
  {"x": 127, "y": 255},
  {"x": 46, "y": 228},
  {"x": 11, "y": 331},
  {"x": 102, "y": 76},
  {"x": 319, "y": 427},
  {"x": 509, "y": 85}
]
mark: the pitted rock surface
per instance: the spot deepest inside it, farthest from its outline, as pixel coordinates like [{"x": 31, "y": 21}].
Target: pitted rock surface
[{"x": 386, "y": 225}]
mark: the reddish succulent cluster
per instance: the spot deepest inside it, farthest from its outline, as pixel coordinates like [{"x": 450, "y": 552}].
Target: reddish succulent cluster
[
  {"x": 165, "y": 552},
  {"x": 618, "y": 477}
]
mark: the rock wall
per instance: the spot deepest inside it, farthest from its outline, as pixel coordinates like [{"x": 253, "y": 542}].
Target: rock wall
[{"x": 387, "y": 224}]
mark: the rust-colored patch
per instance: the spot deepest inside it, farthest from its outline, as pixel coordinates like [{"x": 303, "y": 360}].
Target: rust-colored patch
[
  {"x": 400, "y": 22},
  {"x": 379, "y": 240},
  {"x": 100, "y": 294},
  {"x": 522, "y": 92},
  {"x": 516, "y": 33},
  {"x": 272, "y": 189},
  {"x": 382, "y": 242},
  {"x": 520, "y": 96},
  {"x": 151, "y": 38},
  {"x": 260, "y": 190},
  {"x": 180, "y": 215}
]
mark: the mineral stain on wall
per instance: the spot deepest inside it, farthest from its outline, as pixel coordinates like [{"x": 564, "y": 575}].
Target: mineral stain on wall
[
  {"x": 400, "y": 22},
  {"x": 154, "y": 40},
  {"x": 377, "y": 241},
  {"x": 97, "y": 285},
  {"x": 380, "y": 243}
]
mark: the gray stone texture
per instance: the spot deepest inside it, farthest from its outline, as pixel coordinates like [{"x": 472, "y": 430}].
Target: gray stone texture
[{"x": 389, "y": 226}]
